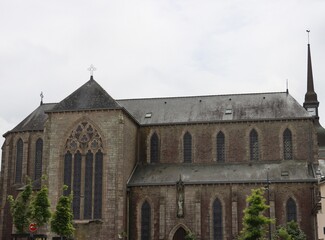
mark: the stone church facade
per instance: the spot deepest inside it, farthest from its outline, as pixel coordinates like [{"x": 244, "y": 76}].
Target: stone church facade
[{"x": 157, "y": 168}]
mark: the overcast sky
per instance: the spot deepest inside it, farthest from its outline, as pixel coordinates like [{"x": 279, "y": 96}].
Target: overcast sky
[{"x": 156, "y": 48}]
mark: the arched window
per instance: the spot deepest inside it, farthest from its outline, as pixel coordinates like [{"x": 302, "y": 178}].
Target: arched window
[
  {"x": 220, "y": 147},
  {"x": 154, "y": 148},
  {"x": 253, "y": 145},
  {"x": 187, "y": 147},
  {"x": 88, "y": 185},
  {"x": 291, "y": 210},
  {"x": 287, "y": 144},
  {"x": 217, "y": 220},
  {"x": 145, "y": 221},
  {"x": 179, "y": 234},
  {"x": 38, "y": 159},
  {"x": 19, "y": 161},
  {"x": 83, "y": 171}
]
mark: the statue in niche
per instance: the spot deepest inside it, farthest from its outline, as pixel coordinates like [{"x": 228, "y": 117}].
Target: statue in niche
[{"x": 180, "y": 198}]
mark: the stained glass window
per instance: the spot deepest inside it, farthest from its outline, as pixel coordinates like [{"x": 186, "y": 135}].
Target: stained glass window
[
  {"x": 287, "y": 144},
  {"x": 145, "y": 221},
  {"x": 187, "y": 147},
  {"x": 220, "y": 147},
  {"x": 254, "y": 152},
  {"x": 38, "y": 159},
  {"x": 98, "y": 185},
  {"x": 76, "y": 185},
  {"x": 291, "y": 210},
  {"x": 67, "y": 172},
  {"x": 88, "y": 185},
  {"x": 19, "y": 161},
  {"x": 217, "y": 220},
  {"x": 154, "y": 148}
]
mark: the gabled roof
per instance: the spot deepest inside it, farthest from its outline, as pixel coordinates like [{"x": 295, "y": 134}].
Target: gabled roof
[
  {"x": 90, "y": 96},
  {"x": 214, "y": 108},
  {"x": 34, "y": 121},
  {"x": 169, "y": 174}
]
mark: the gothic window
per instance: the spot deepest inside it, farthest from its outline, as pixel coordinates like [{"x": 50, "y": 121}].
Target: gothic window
[
  {"x": 19, "y": 161},
  {"x": 187, "y": 147},
  {"x": 88, "y": 185},
  {"x": 145, "y": 221},
  {"x": 291, "y": 210},
  {"x": 83, "y": 171},
  {"x": 220, "y": 147},
  {"x": 253, "y": 145},
  {"x": 98, "y": 185},
  {"x": 287, "y": 144},
  {"x": 38, "y": 159},
  {"x": 217, "y": 220},
  {"x": 154, "y": 148}
]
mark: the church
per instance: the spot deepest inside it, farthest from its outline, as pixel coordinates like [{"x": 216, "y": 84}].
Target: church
[{"x": 158, "y": 168}]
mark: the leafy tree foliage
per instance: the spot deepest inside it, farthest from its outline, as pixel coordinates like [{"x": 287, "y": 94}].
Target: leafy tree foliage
[
  {"x": 291, "y": 231},
  {"x": 20, "y": 208},
  {"x": 255, "y": 223},
  {"x": 61, "y": 222},
  {"x": 40, "y": 207}
]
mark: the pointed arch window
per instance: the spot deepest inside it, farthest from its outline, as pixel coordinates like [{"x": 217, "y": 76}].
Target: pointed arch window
[
  {"x": 38, "y": 159},
  {"x": 154, "y": 148},
  {"x": 187, "y": 147},
  {"x": 19, "y": 161},
  {"x": 220, "y": 147},
  {"x": 291, "y": 210},
  {"x": 287, "y": 144},
  {"x": 145, "y": 221},
  {"x": 253, "y": 145},
  {"x": 83, "y": 171},
  {"x": 217, "y": 220}
]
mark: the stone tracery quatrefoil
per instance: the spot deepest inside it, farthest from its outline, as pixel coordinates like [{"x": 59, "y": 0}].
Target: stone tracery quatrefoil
[{"x": 84, "y": 137}]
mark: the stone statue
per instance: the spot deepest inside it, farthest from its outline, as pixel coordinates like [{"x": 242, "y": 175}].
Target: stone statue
[{"x": 180, "y": 198}]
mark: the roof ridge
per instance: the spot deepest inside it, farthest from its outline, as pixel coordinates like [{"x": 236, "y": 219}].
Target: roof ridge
[{"x": 195, "y": 96}]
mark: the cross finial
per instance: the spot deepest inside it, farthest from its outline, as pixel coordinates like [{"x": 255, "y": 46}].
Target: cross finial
[
  {"x": 42, "y": 96},
  {"x": 308, "y": 31},
  {"x": 91, "y": 69}
]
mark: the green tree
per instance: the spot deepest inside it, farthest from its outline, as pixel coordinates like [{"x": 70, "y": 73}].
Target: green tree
[
  {"x": 255, "y": 223},
  {"x": 20, "y": 208},
  {"x": 190, "y": 236},
  {"x": 61, "y": 222},
  {"x": 40, "y": 207},
  {"x": 291, "y": 231}
]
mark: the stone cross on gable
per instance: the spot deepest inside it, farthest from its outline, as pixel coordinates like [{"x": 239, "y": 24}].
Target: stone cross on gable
[{"x": 91, "y": 69}]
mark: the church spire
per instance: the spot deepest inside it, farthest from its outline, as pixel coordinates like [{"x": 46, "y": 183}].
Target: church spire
[{"x": 311, "y": 103}]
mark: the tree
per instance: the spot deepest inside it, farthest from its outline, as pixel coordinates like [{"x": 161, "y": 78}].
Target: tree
[
  {"x": 190, "y": 236},
  {"x": 20, "y": 208},
  {"x": 40, "y": 207},
  {"x": 255, "y": 223},
  {"x": 61, "y": 222},
  {"x": 291, "y": 231}
]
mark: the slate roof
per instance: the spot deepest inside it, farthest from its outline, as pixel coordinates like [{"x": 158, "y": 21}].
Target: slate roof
[
  {"x": 34, "y": 121},
  {"x": 214, "y": 108},
  {"x": 169, "y": 174},
  {"x": 90, "y": 96}
]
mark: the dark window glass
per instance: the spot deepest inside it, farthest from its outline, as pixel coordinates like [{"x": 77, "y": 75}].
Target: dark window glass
[
  {"x": 98, "y": 185},
  {"x": 19, "y": 161},
  {"x": 67, "y": 172},
  {"x": 287, "y": 144},
  {"x": 76, "y": 185},
  {"x": 154, "y": 148},
  {"x": 88, "y": 185},
  {"x": 254, "y": 152},
  {"x": 291, "y": 210},
  {"x": 38, "y": 159},
  {"x": 217, "y": 220},
  {"x": 145, "y": 221},
  {"x": 220, "y": 147},
  {"x": 180, "y": 234},
  {"x": 187, "y": 142}
]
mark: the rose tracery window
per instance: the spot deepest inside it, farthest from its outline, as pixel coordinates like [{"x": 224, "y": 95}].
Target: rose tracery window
[{"x": 83, "y": 162}]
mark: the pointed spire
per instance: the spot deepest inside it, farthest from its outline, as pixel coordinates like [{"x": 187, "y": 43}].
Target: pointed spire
[{"x": 311, "y": 101}]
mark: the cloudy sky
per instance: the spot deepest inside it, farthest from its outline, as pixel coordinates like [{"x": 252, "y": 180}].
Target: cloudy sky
[{"x": 155, "y": 48}]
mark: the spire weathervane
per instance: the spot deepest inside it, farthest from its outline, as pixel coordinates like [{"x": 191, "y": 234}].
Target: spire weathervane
[
  {"x": 91, "y": 69},
  {"x": 308, "y": 31}
]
